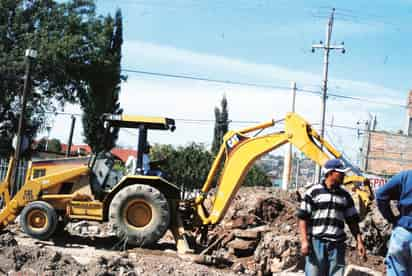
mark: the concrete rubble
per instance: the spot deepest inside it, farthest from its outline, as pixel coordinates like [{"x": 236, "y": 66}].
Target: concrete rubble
[{"x": 261, "y": 235}]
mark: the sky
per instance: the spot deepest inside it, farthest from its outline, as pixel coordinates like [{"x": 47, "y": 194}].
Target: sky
[{"x": 266, "y": 43}]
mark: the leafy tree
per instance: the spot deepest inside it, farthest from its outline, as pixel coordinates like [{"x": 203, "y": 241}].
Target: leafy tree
[
  {"x": 53, "y": 145},
  {"x": 187, "y": 166},
  {"x": 103, "y": 79},
  {"x": 257, "y": 177},
  {"x": 221, "y": 124},
  {"x": 60, "y": 34},
  {"x": 78, "y": 56}
]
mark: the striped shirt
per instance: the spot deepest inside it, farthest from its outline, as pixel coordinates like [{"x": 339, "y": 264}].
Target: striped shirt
[{"x": 326, "y": 211}]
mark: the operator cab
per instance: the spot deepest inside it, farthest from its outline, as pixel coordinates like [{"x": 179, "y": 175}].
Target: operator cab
[{"x": 103, "y": 175}]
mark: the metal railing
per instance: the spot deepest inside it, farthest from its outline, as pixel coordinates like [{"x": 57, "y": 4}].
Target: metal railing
[{"x": 21, "y": 173}]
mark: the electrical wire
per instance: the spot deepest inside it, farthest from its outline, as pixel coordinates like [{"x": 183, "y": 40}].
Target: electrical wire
[{"x": 251, "y": 84}]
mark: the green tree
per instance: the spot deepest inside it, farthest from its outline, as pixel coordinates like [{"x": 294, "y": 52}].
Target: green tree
[
  {"x": 257, "y": 177},
  {"x": 221, "y": 125},
  {"x": 187, "y": 166},
  {"x": 103, "y": 79},
  {"x": 53, "y": 145},
  {"x": 61, "y": 33}
]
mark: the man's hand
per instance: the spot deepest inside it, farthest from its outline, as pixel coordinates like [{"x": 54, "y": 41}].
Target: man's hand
[
  {"x": 305, "y": 249},
  {"x": 361, "y": 248}
]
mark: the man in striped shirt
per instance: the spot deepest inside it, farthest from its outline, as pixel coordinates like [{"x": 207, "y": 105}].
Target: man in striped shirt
[{"x": 322, "y": 215}]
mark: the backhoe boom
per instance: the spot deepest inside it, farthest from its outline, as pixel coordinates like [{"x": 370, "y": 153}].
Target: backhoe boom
[{"x": 239, "y": 152}]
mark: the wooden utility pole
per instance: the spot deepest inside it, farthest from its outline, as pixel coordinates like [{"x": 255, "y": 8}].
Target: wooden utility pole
[
  {"x": 69, "y": 143},
  {"x": 326, "y": 49},
  {"x": 30, "y": 55},
  {"x": 287, "y": 164}
]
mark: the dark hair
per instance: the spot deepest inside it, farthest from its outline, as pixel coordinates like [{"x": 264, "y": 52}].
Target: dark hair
[{"x": 146, "y": 148}]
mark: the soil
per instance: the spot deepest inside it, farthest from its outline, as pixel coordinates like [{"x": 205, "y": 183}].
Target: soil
[{"x": 258, "y": 236}]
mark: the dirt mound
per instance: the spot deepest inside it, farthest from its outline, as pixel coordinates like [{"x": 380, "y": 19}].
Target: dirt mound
[
  {"x": 259, "y": 234},
  {"x": 114, "y": 266},
  {"x": 16, "y": 258},
  {"x": 7, "y": 240},
  {"x": 45, "y": 258}
]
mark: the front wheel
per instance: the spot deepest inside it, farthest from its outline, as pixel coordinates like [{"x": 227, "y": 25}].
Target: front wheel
[
  {"x": 140, "y": 214},
  {"x": 39, "y": 220}
]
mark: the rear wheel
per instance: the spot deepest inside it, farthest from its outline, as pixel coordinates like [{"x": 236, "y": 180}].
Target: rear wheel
[
  {"x": 39, "y": 220},
  {"x": 140, "y": 214}
]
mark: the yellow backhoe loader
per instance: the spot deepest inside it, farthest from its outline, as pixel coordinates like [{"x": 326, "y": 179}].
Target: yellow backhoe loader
[{"x": 142, "y": 207}]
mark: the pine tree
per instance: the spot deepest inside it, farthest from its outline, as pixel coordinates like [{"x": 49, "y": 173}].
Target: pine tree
[
  {"x": 103, "y": 78},
  {"x": 221, "y": 125}
]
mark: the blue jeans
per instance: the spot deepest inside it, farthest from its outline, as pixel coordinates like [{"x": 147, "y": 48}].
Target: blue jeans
[
  {"x": 399, "y": 258},
  {"x": 326, "y": 258}
]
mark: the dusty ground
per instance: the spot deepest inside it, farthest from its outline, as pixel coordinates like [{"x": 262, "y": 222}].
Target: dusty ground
[
  {"x": 258, "y": 236},
  {"x": 70, "y": 255}
]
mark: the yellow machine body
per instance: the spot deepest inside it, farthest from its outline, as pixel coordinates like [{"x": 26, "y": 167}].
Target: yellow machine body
[
  {"x": 239, "y": 151},
  {"x": 45, "y": 180}
]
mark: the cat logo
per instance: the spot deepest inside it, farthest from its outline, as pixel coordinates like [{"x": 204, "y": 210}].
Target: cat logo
[{"x": 232, "y": 141}]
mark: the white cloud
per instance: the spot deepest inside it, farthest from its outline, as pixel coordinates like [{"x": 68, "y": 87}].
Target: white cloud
[
  {"x": 139, "y": 53},
  {"x": 189, "y": 99}
]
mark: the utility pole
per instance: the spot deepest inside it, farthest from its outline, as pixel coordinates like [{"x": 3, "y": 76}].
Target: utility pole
[
  {"x": 326, "y": 49},
  {"x": 30, "y": 55},
  {"x": 69, "y": 144},
  {"x": 288, "y": 156},
  {"x": 297, "y": 172}
]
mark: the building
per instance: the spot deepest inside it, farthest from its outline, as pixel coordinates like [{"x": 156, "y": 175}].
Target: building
[
  {"x": 386, "y": 153},
  {"x": 123, "y": 154}
]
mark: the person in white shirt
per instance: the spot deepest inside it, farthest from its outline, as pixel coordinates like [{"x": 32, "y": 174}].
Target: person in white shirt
[{"x": 147, "y": 170}]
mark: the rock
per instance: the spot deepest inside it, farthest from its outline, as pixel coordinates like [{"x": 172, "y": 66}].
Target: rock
[
  {"x": 23, "y": 272},
  {"x": 238, "y": 268},
  {"x": 228, "y": 238},
  {"x": 242, "y": 244},
  {"x": 353, "y": 270},
  {"x": 139, "y": 270},
  {"x": 7, "y": 240},
  {"x": 276, "y": 265},
  {"x": 241, "y": 222},
  {"x": 276, "y": 253},
  {"x": 247, "y": 234}
]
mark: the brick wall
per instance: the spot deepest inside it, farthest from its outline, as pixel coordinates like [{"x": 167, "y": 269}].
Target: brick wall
[{"x": 389, "y": 153}]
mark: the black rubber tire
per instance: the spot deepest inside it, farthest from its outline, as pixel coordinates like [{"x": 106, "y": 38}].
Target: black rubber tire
[
  {"x": 159, "y": 220},
  {"x": 49, "y": 213}
]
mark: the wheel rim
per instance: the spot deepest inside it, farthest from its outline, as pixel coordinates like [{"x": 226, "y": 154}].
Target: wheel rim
[
  {"x": 37, "y": 220},
  {"x": 138, "y": 213}
]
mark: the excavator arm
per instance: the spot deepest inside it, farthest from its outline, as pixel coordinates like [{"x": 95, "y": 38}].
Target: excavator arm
[{"x": 239, "y": 152}]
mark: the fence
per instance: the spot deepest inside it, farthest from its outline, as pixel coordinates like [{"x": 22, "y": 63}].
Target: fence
[{"x": 21, "y": 173}]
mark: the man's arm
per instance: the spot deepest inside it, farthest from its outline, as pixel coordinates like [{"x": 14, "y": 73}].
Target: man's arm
[
  {"x": 352, "y": 219},
  {"x": 389, "y": 191},
  {"x": 303, "y": 230},
  {"x": 354, "y": 229},
  {"x": 304, "y": 214}
]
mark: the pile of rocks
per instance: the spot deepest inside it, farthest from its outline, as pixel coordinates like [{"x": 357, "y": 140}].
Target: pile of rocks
[{"x": 259, "y": 235}]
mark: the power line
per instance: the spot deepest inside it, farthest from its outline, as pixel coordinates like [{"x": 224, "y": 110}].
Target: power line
[
  {"x": 179, "y": 76},
  {"x": 258, "y": 85}
]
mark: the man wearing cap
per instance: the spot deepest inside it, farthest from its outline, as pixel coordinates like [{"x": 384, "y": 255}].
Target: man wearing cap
[
  {"x": 399, "y": 188},
  {"x": 322, "y": 215}
]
